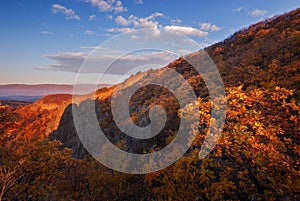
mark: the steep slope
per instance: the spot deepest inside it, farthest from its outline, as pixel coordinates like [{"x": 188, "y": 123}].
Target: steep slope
[
  {"x": 66, "y": 132},
  {"x": 265, "y": 55},
  {"x": 38, "y": 119}
]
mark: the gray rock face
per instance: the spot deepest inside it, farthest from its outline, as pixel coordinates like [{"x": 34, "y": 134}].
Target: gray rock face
[{"x": 66, "y": 133}]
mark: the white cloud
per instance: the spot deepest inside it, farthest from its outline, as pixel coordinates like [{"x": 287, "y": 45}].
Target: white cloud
[
  {"x": 239, "y": 9},
  {"x": 123, "y": 30},
  {"x": 68, "y": 13},
  {"x": 209, "y": 27},
  {"x": 140, "y": 2},
  {"x": 175, "y": 21},
  {"x": 108, "y": 5},
  {"x": 147, "y": 35},
  {"x": 133, "y": 22},
  {"x": 154, "y": 15},
  {"x": 205, "y": 26},
  {"x": 166, "y": 38},
  {"x": 119, "y": 7},
  {"x": 122, "y": 21},
  {"x": 47, "y": 33},
  {"x": 146, "y": 22},
  {"x": 92, "y": 17},
  {"x": 89, "y": 32},
  {"x": 215, "y": 28},
  {"x": 88, "y": 47},
  {"x": 185, "y": 30},
  {"x": 257, "y": 12}
]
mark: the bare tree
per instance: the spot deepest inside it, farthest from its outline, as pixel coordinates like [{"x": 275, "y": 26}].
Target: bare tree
[{"x": 8, "y": 179}]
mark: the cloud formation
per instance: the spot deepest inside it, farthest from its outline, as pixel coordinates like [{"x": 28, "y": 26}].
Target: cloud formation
[
  {"x": 257, "y": 13},
  {"x": 68, "y": 13},
  {"x": 175, "y": 21},
  {"x": 92, "y": 17},
  {"x": 142, "y": 48},
  {"x": 89, "y": 32},
  {"x": 146, "y": 22},
  {"x": 185, "y": 30},
  {"x": 108, "y": 5},
  {"x": 150, "y": 22},
  {"x": 239, "y": 9},
  {"x": 209, "y": 27},
  {"x": 122, "y": 30},
  {"x": 46, "y": 33},
  {"x": 140, "y": 2},
  {"x": 122, "y": 21},
  {"x": 72, "y": 61}
]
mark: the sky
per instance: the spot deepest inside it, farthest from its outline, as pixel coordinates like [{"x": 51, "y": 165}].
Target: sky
[{"x": 48, "y": 41}]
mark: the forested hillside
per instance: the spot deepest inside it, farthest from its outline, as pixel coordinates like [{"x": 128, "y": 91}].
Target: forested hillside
[{"x": 266, "y": 54}]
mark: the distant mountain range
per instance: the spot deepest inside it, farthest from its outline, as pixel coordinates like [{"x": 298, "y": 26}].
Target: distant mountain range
[{"x": 33, "y": 92}]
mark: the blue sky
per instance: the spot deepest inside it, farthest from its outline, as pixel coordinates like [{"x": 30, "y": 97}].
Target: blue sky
[{"x": 41, "y": 41}]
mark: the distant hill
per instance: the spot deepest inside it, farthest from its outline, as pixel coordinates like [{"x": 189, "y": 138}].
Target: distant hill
[
  {"x": 28, "y": 99},
  {"x": 42, "y": 89}
]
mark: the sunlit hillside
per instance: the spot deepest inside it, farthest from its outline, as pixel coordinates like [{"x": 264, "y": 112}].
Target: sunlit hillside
[{"x": 256, "y": 158}]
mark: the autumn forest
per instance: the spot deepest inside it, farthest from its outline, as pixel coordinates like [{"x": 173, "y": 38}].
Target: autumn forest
[{"x": 256, "y": 158}]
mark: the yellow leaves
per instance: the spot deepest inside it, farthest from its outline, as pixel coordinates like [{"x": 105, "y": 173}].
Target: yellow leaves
[
  {"x": 282, "y": 93},
  {"x": 293, "y": 118},
  {"x": 235, "y": 92},
  {"x": 277, "y": 88},
  {"x": 297, "y": 149},
  {"x": 255, "y": 119},
  {"x": 256, "y": 125},
  {"x": 263, "y": 31},
  {"x": 279, "y": 130},
  {"x": 294, "y": 106},
  {"x": 218, "y": 152},
  {"x": 219, "y": 49}
]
